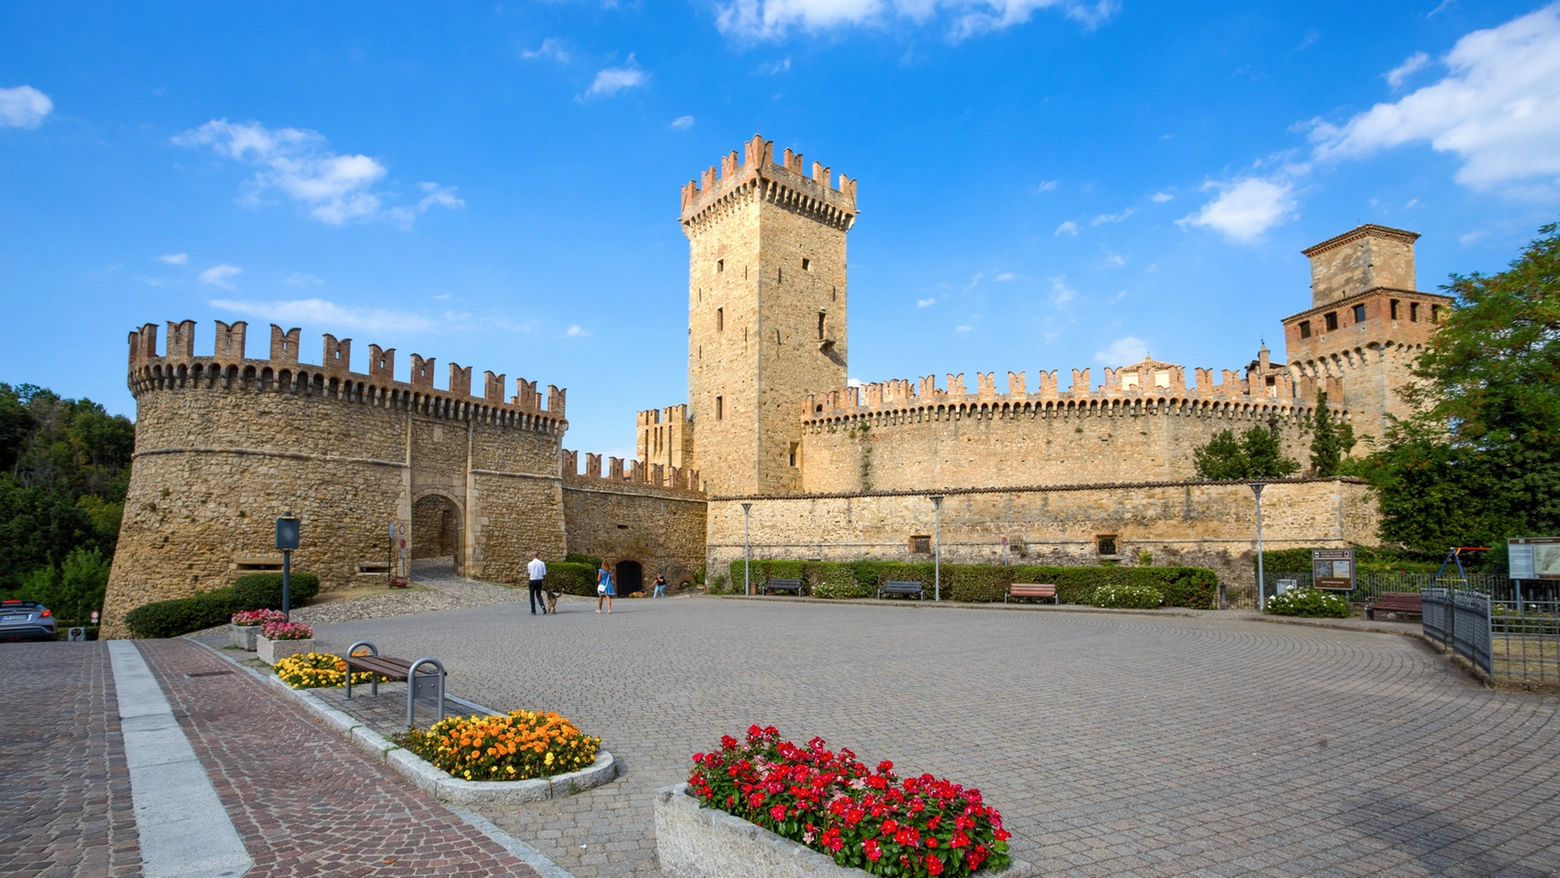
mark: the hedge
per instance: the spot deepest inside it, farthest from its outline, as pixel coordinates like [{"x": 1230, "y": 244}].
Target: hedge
[
  {"x": 207, "y": 609},
  {"x": 571, "y": 577},
  {"x": 1195, "y": 587},
  {"x": 263, "y": 591},
  {"x": 576, "y": 558}
]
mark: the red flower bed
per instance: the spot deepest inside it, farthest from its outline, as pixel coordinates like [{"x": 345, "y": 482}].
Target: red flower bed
[{"x": 865, "y": 819}]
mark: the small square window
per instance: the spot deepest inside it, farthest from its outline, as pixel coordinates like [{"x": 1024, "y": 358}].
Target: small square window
[
  {"x": 1435, "y": 313},
  {"x": 921, "y": 545},
  {"x": 720, "y": 266},
  {"x": 720, "y": 319},
  {"x": 1305, "y": 329},
  {"x": 1105, "y": 544},
  {"x": 795, "y": 452},
  {"x": 1394, "y": 308},
  {"x": 720, "y": 407},
  {"x": 1332, "y": 321},
  {"x": 1359, "y": 313},
  {"x": 806, "y": 264},
  {"x": 1413, "y": 312}
]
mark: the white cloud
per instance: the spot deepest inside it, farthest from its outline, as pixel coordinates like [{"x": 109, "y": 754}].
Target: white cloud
[
  {"x": 576, "y": 331},
  {"x": 552, "y": 48},
  {"x": 1005, "y": 276},
  {"x": 298, "y": 163},
  {"x": 1123, "y": 351},
  {"x": 774, "y": 19},
  {"x": 221, "y": 276},
  {"x": 682, "y": 122},
  {"x": 434, "y": 195},
  {"x": 1061, "y": 293},
  {"x": 775, "y": 68},
  {"x": 175, "y": 258},
  {"x": 1469, "y": 237},
  {"x": 1498, "y": 109},
  {"x": 298, "y": 312},
  {"x": 300, "y": 279},
  {"x": 1246, "y": 208},
  {"x": 23, "y": 107},
  {"x": 962, "y": 328},
  {"x": 926, "y": 303},
  {"x": 1113, "y": 217},
  {"x": 1044, "y": 186},
  {"x": 612, "y": 80},
  {"x": 1161, "y": 197},
  {"x": 1411, "y": 65},
  {"x": 1067, "y": 228}
]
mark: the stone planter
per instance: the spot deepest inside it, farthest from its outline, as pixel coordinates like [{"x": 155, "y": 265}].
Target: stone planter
[
  {"x": 692, "y": 841},
  {"x": 244, "y": 636},
  {"x": 273, "y": 651}
]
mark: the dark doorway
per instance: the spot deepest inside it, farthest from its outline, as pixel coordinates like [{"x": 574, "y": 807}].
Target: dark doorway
[
  {"x": 436, "y": 529},
  {"x": 630, "y": 577}
]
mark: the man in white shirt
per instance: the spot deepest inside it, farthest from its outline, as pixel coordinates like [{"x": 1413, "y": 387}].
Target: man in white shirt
[{"x": 536, "y": 571}]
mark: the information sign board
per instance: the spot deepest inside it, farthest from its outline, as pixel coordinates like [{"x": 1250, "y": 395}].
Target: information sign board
[
  {"x": 1333, "y": 568},
  {"x": 1535, "y": 558}
]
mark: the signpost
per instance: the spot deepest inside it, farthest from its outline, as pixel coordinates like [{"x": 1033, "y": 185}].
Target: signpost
[
  {"x": 287, "y": 540},
  {"x": 1333, "y": 569},
  {"x": 1535, "y": 558}
]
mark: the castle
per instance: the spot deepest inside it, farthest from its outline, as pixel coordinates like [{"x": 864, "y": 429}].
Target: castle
[{"x": 772, "y": 453}]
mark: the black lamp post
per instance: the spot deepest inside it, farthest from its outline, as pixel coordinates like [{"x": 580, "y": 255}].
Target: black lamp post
[{"x": 287, "y": 540}]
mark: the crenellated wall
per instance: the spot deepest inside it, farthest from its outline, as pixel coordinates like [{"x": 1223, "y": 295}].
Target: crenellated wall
[
  {"x": 1141, "y": 424},
  {"x": 652, "y": 516},
  {"x": 225, "y": 444}
]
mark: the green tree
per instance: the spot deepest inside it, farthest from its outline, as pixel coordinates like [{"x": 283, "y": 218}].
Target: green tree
[
  {"x": 1255, "y": 455},
  {"x": 1331, "y": 441},
  {"x": 1479, "y": 461}
]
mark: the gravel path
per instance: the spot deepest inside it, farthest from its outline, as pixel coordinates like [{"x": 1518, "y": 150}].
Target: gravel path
[{"x": 446, "y": 591}]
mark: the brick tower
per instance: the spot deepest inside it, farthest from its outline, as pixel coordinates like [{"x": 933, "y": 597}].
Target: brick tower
[
  {"x": 1367, "y": 322},
  {"x": 766, "y": 311}
]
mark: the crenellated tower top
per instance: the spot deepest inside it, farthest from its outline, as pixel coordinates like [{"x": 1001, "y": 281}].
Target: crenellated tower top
[{"x": 786, "y": 183}]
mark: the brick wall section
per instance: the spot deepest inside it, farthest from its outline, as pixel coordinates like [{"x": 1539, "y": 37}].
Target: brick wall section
[
  {"x": 1206, "y": 524},
  {"x": 661, "y": 528},
  {"x": 223, "y": 448}
]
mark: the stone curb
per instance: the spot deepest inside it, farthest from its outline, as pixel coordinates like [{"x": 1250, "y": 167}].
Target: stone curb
[
  {"x": 440, "y": 784},
  {"x": 693, "y": 841}
]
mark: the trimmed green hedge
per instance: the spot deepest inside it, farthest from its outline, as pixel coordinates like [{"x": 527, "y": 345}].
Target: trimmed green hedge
[
  {"x": 263, "y": 591},
  {"x": 576, "y": 558},
  {"x": 207, "y": 609},
  {"x": 571, "y": 577},
  {"x": 1195, "y": 587}
]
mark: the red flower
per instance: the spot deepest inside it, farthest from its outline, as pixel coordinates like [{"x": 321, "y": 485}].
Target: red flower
[
  {"x": 777, "y": 812},
  {"x": 872, "y": 849},
  {"x": 934, "y": 866}
]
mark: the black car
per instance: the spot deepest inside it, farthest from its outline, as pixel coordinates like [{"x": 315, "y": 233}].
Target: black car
[{"x": 26, "y": 620}]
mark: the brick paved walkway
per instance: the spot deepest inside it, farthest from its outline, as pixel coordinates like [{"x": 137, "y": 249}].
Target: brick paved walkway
[
  {"x": 64, "y": 789},
  {"x": 304, "y": 801},
  {"x": 1115, "y": 744}
]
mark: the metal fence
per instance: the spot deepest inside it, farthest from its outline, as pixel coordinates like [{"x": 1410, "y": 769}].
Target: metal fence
[
  {"x": 1369, "y": 586},
  {"x": 1516, "y": 642}
]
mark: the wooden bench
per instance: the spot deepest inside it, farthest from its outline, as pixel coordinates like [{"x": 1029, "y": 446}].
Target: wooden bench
[
  {"x": 781, "y": 585},
  {"x": 418, "y": 682},
  {"x": 902, "y": 587},
  {"x": 1031, "y": 590},
  {"x": 1401, "y": 602}
]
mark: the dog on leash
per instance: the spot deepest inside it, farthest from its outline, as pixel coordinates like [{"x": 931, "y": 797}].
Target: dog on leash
[{"x": 551, "y": 600}]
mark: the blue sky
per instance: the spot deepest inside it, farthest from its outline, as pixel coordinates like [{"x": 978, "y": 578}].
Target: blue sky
[{"x": 1043, "y": 185}]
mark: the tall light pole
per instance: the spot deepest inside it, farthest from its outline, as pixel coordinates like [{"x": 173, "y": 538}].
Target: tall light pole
[
  {"x": 1256, "y": 488},
  {"x": 747, "y": 552},
  {"x": 937, "y": 547}
]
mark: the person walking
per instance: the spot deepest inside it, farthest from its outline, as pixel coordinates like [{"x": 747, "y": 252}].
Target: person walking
[
  {"x": 604, "y": 588},
  {"x": 660, "y": 586},
  {"x": 536, "y": 571}
]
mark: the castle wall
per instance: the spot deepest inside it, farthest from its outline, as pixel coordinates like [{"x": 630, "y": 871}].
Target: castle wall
[
  {"x": 224, "y": 447},
  {"x": 900, "y": 440},
  {"x": 651, "y": 515},
  {"x": 1204, "y": 524}
]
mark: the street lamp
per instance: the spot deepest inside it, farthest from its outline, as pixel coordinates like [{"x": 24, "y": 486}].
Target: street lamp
[
  {"x": 937, "y": 547},
  {"x": 287, "y": 540},
  {"x": 747, "y": 552},
  {"x": 1256, "y": 488}
]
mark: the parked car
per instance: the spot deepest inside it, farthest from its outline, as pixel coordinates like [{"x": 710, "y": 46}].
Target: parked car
[{"x": 26, "y": 620}]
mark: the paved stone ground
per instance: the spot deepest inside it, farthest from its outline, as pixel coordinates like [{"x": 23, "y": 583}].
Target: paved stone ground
[
  {"x": 64, "y": 788},
  {"x": 1115, "y": 744},
  {"x": 304, "y": 801}
]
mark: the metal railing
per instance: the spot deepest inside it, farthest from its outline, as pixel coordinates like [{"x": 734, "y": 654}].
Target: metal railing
[
  {"x": 1369, "y": 586},
  {"x": 1460, "y": 621}
]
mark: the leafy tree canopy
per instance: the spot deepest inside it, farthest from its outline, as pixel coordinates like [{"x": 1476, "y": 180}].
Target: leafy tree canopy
[
  {"x": 1256, "y": 454},
  {"x": 1479, "y": 461},
  {"x": 1330, "y": 440}
]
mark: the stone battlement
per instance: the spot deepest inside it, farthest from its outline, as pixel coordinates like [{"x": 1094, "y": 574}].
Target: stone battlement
[
  {"x": 631, "y": 472},
  {"x": 786, "y": 183},
  {"x": 178, "y": 366},
  {"x": 1146, "y": 384}
]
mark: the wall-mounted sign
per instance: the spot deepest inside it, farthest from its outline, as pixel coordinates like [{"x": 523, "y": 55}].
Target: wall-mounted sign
[
  {"x": 1535, "y": 558},
  {"x": 1333, "y": 568}
]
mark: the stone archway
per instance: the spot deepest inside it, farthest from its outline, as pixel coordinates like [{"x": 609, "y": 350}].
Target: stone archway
[
  {"x": 436, "y": 529},
  {"x": 630, "y": 577}
]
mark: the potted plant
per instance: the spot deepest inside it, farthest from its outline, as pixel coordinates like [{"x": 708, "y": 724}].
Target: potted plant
[
  {"x": 278, "y": 640},
  {"x": 245, "y": 625}
]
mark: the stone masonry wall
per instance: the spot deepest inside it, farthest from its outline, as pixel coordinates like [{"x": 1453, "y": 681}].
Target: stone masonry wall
[
  {"x": 661, "y": 528},
  {"x": 1205, "y": 524},
  {"x": 225, "y": 445}
]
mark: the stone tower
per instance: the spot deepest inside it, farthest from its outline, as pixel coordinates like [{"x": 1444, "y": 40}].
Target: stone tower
[
  {"x": 766, "y": 311},
  {"x": 1367, "y": 322}
]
